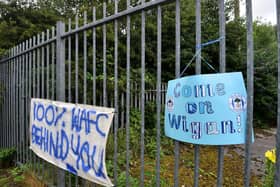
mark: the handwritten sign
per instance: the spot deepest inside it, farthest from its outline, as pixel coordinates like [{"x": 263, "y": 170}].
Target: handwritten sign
[
  {"x": 72, "y": 137},
  {"x": 207, "y": 109}
]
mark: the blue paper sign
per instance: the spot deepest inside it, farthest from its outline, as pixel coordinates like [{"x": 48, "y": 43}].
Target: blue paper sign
[{"x": 208, "y": 109}]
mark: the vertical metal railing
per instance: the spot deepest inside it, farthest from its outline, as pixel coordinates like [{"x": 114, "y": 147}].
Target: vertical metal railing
[
  {"x": 20, "y": 103},
  {"x": 33, "y": 87},
  {"x": 36, "y": 68},
  {"x": 158, "y": 96},
  {"x": 177, "y": 74},
  {"x": 250, "y": 90},
  {"x": 104, "y": 34},
  {"x": 76, "y": 69},
  {"x": 69, "y": 72},
  {"x": 60, "y": 81},
  {"x": 94, "y": 56},
  {"x": 8, "y": 104},
  {"x": 197, "y": 71},
  {"x": 222, "y": 63},
  {"x": 1, "y": 100},
  {"x": 29, "y": 95},
  {"x": 116, "y": 91},
  {"x": 127, "y": 117},
  {"x": 1, "y": 108},
  {"x": 142, "y": 136},
  {"x": 277, "y": 168}
]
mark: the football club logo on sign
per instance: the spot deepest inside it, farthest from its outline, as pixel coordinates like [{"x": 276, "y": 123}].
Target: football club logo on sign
[
  {"x": 170, "y": 104},
  {"x": 237, "y": 103}
]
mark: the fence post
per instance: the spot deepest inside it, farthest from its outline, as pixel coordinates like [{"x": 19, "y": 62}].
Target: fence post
[
  {"x": 60, "y": 81},
  {"x": 277, "y": 171},
  {"x": 250, "y": 88}
]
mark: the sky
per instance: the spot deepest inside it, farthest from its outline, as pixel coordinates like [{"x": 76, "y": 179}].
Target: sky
[{"x": 264, "y": 10}]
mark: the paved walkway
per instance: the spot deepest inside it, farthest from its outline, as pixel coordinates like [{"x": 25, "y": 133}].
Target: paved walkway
[{"x": 264, "y": 140}]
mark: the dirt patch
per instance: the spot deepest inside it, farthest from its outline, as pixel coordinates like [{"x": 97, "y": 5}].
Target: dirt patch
[
  {"x": 264, "y": 140},
  {"x": 31, "y": 180},
  {"x": 16, "y": 177}
]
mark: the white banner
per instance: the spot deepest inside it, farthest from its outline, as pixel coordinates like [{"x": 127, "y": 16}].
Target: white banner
[{"x": 72, "y": 137}]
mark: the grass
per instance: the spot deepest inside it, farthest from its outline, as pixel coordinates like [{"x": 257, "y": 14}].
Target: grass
[{"x": 233, "y": 169}]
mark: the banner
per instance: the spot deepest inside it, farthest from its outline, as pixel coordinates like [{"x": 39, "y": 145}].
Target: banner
[
  {"x": 72, "y": 137},
  {"x": 208, "y": 109}
]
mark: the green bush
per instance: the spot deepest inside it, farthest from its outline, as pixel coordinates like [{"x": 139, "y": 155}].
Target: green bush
[{"x": 6, "y": 157}]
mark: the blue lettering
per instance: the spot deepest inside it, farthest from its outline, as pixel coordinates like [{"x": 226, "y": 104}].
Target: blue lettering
[
  {"x": 191, "y": 108},
  {"x": 227, "y": 125},
  {"x": 40, "y": 137},
  {"x": 46, "y": 140},
  {"x": 95, "y": 122},
  {"x": 202, "y": 90},
  {"x": 99, "y": 172},
  {"x": 75, "y": 120},
  {"x": 211, "y": 128},
  {"x": 177, "y": 93},
  {"x": 175, "y": 121},
  {"x": 196, "y": 130},
  {"x": 196, "y": 89},
  {"x": 184, "y": 124},
  {"x": 210, "y": 90},
  {"x": 84, "y": 120},
  {"x": 51, "y": 114},
  {"x": 40, "y": 118},
  {"x": 36, "y": 135},
  {"x": 207, "y": 105},
  {"x": 58, "y": 144},
  {"x": 220, "y": 89},
  {"x": 88, "y": 161},
  {"x": 53, "y": 145},
  {"x": 59, "y": 115},
  {"x": 84, "y": 152},
  {"x": 71, "y": 169},
  {"x": 75, "y": 151},
  {"x": 64, "y": 144},
  {"x": 34, "y": 111},
  {"x": 33, "y": 133},
  {"x": 186, "y": 91}
]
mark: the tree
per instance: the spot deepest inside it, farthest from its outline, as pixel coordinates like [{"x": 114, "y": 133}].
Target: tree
[
  {"x": 22, "y": 20},
  {"x": 265, "y": 40}
]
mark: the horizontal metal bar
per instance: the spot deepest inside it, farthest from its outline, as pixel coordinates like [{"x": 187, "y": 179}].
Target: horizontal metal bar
[
  {"x": 29, "y": 50},
  {"x": 130, "y": 11}
]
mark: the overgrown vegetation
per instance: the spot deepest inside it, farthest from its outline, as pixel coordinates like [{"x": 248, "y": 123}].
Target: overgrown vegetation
[
  {"x": 20, "y": 19},
  {"x": 208, "y": 158},
  {"x": 20, "y": 176},
  {"x": 23, "y": 19},
  {"x": 7, "y": 157},
  {"x": 270, "y": 159}
]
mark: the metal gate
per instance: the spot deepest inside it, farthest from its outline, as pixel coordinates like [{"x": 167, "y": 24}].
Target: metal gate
[{"x": 42, "y": 67}]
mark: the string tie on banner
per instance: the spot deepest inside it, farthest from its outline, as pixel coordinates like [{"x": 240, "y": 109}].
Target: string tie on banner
[
  {"x": 198, "y": 53},
  {"x": 209, "y": 43}
]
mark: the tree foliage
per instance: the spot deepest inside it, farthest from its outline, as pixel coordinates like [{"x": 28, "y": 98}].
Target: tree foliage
[{"x": 20, "y": 20}]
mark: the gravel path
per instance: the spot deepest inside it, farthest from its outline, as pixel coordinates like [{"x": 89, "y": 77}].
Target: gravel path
[{"x": 264, "y": 140}]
